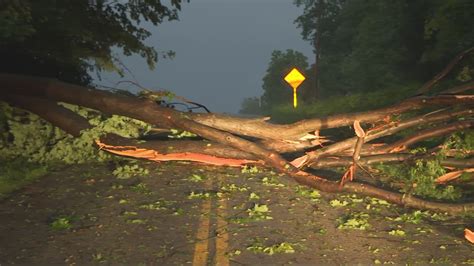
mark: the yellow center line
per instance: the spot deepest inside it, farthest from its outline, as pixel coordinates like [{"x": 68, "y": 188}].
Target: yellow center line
[
  {"x": 201, "y": 248},
  {"x": 222, "y": 240}
]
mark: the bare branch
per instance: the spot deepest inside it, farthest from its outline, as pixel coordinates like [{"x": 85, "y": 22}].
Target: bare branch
[
  {"x": 459, "y": 89},
  {"x": 259, "y": 128},
  {"x": 387, "y": 130},
  {"x": 428, "y": 85},
  {"x": 425, "y": 134},
  {"x": 337, "y": 161}
]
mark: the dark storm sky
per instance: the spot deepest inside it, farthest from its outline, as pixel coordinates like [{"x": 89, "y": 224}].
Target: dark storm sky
[{"x": 222, "y": 47}]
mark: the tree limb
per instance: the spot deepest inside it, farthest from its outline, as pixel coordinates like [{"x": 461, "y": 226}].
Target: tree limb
[
  {"x": 459, "y": 89},
  {"x": 59, "y": 116},
  {"x": 338, "y": 161},
  {"x": 259, "y": 128},
  {"x": 109, "y": 103},
  {"x": 386, "y": 130},
  {"x": 136, "y": 108},
  {"x": 445, "y": 71},
  {"x": 425, "y": 134}
]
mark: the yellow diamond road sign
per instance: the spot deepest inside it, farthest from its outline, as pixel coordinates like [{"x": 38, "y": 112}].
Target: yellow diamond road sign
[{"x": 294, "y": 78}]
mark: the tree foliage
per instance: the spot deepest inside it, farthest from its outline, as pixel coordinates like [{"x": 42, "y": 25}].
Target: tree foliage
[
  {"x": 276, "y": 91},
  {"x": 447, "y": 29},
  {"x": 68, "y": 38},
  {"x": 366, "y": 45},
  {"x": 27, "y": 135}
]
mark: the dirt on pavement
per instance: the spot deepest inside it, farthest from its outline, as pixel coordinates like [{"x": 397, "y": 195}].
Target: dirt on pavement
[{"x": 187, "y": 214}]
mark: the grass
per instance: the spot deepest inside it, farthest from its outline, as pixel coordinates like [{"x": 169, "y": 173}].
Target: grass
[
  {"x": 357, "y": 102},
  {"x": 15, "y": 174}
]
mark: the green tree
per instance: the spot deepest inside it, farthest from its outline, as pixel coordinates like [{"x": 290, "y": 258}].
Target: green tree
[
  {"x": 448, "y": 30},
  {"x": 68, "y": 38},
  {"x": 372, "y": 44},
  {"x": 317, "y": 19},
  {"x": 276, "y": 90},
  {"x": 386, "y": 45}
]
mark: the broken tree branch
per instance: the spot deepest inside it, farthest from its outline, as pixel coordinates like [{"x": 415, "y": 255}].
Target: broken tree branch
[
  {"x": 428, "y": 85},
  {"x": 50, "y": 111},
  {"x": 144, "y": 110},
  {"x": 227, "y": 134},
  {"x": 386, "y": 130},
  {"x": 259, "y": 128},
  {"x": 425, "y": 134},
  {"x": 337, "y": 161},
  {"x": 459, "y": 89}
]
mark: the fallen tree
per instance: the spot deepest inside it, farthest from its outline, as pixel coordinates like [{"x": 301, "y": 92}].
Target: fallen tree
[{"x": 235, "y": 141}]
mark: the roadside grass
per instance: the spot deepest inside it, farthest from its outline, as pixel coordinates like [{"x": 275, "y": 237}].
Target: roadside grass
[
  {"x": 357, "y": 102},
  {"x": 15, "y": 174}
]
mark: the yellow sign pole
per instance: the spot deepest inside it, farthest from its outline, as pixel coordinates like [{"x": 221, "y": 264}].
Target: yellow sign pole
[
  {"x": 295, "y": 98},
  {"x": 294, "y": 78}
]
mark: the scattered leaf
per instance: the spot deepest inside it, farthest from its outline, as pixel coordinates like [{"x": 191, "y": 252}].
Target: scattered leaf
[
  {"x": 397, "y": 232},
  {"x": 358, "y": 221},
  {"x": 338, "y": 203},
  {"x": 254, "y": 196}
]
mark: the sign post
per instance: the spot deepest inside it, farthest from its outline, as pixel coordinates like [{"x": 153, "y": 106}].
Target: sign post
[{"x": 294, "y": 78}]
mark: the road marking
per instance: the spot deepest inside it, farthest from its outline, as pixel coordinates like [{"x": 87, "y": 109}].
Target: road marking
[
  {"x": 202, "y": 245},
  {"x": 222, "y": 238},
  {"x": 201, "y": 248}
]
